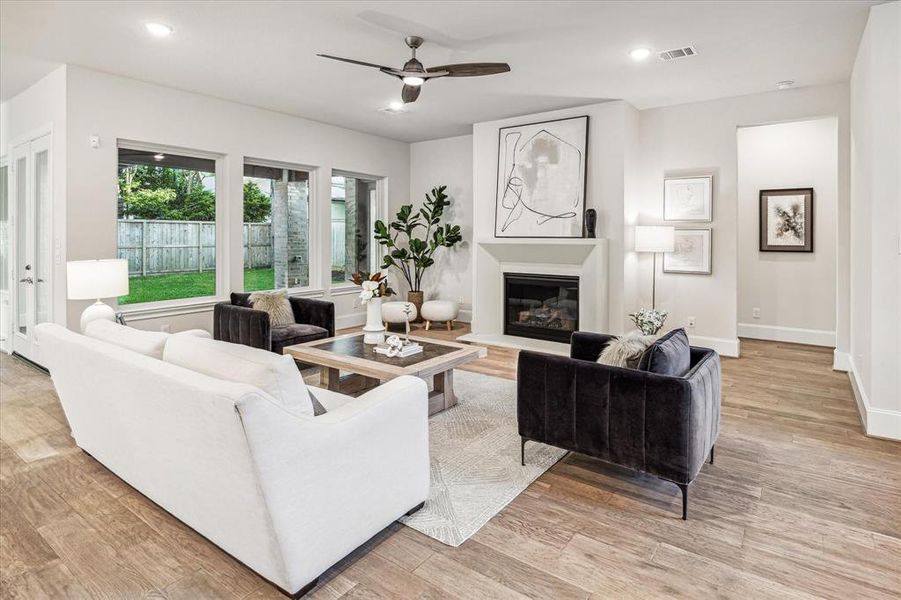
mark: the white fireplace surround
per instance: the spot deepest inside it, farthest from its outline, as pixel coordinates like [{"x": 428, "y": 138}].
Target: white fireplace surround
[{"x": 581, "y": 257}]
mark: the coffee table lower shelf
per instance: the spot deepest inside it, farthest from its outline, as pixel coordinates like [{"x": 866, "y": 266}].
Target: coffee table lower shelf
[{"x": 441, "y": 396}]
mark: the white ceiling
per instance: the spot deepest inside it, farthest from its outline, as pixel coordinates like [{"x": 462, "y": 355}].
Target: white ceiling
[{"x": 561, "y": 53}]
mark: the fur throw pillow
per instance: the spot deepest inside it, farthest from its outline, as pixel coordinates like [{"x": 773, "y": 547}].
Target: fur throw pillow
[
  {"x": 276, "y": 304},
  {"x": 626, "y": 351}
]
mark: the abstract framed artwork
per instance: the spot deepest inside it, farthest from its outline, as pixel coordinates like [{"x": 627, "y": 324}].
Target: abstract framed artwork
[
  {"x": 541, "y": 171},
  {"x": 688, "y": 199},
  {"x": 693, "y": 252},
  {"x": 786, "y": 220}
]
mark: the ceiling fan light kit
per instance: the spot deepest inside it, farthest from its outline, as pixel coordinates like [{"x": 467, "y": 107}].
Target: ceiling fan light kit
[{"x": 414, "y": 75}]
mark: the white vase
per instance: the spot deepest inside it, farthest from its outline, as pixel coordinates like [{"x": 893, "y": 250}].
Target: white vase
[{"x": 374, "y": 328}]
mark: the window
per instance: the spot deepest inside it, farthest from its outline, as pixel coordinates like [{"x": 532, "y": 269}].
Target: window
[
  {"x": 276, "y": 228},
  {"x": 354, "y": 203},
  {"x": 167, "y": 225}
]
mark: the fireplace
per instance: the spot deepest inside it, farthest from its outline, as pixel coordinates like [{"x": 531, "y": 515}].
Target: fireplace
[{"x": 543, "y": 307}]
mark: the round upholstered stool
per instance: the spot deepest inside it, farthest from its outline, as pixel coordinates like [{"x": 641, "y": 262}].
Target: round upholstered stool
[
  {"x": 440, "y": 310},
  {"x": 393, "y": 313}
]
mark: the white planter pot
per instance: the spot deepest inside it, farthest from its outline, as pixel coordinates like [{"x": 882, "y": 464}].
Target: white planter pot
[{"x": 374, "y": 328}]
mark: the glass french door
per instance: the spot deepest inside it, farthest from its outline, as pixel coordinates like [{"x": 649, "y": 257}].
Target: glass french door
[
  {"x": 32, "y": 248},
  {"x": 5, "y": 314}
]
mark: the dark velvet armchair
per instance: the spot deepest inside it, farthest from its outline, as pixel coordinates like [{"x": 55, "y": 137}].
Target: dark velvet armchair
[
  {"x": 237, "y": 322},
  {"x": 657, "y": 424}
]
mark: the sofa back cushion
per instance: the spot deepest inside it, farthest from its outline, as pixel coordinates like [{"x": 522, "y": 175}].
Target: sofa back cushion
[
  {"x": 275, "y": 374},
  {"x": 669, "y": 355},
  {"x": 148, "y": 343}
]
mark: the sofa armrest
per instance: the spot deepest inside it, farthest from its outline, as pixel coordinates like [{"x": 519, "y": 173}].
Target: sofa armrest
[
  {"x": 648, "y": 422},
  {"x": 241, "y": 325},
  {"x": 314, "y": 312},
  {"x": 587, "y": 345},
  {"x": 332, "y": 482}
]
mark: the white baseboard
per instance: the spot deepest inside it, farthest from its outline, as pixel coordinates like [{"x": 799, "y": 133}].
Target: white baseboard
[
  {"x": 877, "y": 422},
  {"x": 350, "y": 320},
  {"x": 841, "y": 361},
  {"x": 812, "y": 337},
  {"x": 465, "y": 315},
  {"x": 723, "y": 346}
]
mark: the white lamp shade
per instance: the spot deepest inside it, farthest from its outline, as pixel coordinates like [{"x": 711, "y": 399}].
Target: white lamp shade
[
  {"x": 654, "y": 238},
  {"x": 94, "y": 279}
]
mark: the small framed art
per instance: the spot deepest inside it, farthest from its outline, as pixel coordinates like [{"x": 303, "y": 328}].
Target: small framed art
[
  {"x": 786, "y": 220},
  {"x": 693, "y": 252},
  {"x": 688, "y": 199}
]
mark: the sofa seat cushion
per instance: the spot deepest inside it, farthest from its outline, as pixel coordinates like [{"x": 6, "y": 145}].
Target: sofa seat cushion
[
  {"x": 274, "y": 374},
  {"x": 669, "y": 355},
  {"x": 297, "y": 333}
]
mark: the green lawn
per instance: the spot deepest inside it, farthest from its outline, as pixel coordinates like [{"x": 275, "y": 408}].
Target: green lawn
[{"x": 153, "y": 288}]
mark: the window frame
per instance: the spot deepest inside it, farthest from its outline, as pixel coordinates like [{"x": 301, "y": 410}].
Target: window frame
[
  {"x": 381, "y": 209},
  {"x": 314, "y": 287},
  {"x": 180, "y": 306}
]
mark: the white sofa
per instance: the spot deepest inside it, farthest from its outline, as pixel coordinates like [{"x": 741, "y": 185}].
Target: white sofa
[{"x": 287, "y": 495}]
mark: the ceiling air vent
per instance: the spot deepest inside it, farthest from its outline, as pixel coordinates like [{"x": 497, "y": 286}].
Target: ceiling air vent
[{"x": 676, "y": 53}]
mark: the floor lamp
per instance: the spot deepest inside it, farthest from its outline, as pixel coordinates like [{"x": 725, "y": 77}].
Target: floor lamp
[{"x": 654, "y": 239}]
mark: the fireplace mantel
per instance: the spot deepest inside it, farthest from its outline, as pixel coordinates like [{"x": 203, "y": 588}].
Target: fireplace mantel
[{"x": 585, "y": 258}]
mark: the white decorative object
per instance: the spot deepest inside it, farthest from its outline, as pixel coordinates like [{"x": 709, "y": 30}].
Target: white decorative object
[
  {"x": 230, "y": 462},
  {"x": 440, "y": 310},
  {"x": 93, "y": 280},
  {"x": 374, "y": 328},
  {"x": 395, "y": 347},
  {"x": 541, "y": 179},
  {"x": 654, "y": 239},
  {"x": 393, "y": 312},
  {"x": 650, "y": 321},
  {"x": 688, "y": 199},
  {"x": 692, "y": 252}
]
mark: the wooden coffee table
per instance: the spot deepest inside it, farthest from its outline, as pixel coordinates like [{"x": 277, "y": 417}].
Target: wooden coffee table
[{"x": 348, "y": 353}]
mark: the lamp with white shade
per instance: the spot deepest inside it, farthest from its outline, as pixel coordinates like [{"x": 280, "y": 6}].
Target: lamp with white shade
[
  {"x": 96, "y": 279},
  {"x": 654, "y": 238}
]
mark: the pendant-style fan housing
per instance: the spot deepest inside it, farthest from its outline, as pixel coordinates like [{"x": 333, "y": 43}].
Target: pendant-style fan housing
[{"x": 415, "y": 75}]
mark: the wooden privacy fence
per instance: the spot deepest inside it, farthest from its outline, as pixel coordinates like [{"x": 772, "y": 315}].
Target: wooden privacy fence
[{"x": 156, "y": 247}]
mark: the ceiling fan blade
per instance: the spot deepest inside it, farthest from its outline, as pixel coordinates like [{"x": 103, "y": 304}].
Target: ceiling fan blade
[
  {"x": 471, "y": 69},
  {"x": 410, "y": 93},
  {"x": 355, "y": 62}
]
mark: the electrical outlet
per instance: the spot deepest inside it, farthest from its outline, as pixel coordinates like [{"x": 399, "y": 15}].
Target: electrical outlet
[
  {"x": 691, "y": 322},
  {"x": 755, "y": 312}
]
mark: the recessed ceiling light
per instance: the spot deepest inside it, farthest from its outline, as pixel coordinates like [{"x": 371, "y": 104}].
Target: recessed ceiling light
[
  {"x": 784, "y": 85},
  {"x": 158, "y": 29},
  {"x": 396, "y": 106},
  {"x": 159, "y": 156},
  {"x": 640, "y": 54},
  {"x": 414, "y": 81}
]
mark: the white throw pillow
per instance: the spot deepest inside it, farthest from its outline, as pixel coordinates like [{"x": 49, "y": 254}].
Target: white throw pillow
[
  {"x": 148, "y": 343},
  {"x": 276, "y": 304},
  {"x": 275, "y": 374}
]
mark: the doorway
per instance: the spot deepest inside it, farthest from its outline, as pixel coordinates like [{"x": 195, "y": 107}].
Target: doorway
[{"x": 31, "y": 253}]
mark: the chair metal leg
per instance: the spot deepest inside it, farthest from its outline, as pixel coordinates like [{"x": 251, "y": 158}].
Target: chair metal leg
[
  {"x": 711, "y": 453},
  {"x": 523, "y": 451},
  {"x": 684, "y": 488}
]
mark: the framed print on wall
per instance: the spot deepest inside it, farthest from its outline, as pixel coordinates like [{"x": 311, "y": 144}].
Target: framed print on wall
[
  {"x": 688, "y": 199},
  {"x": 693, "y": 252},
  {"x": 541, "y": 169},
  {"x": 786, "y": 220}
]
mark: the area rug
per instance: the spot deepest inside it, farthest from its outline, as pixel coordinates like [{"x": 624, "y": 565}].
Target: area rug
[{"x": 476, "y": 468}]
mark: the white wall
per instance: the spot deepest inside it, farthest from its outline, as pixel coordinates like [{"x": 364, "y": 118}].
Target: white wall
[
  {"x": 40, "y": 109},
  {"x": 701, "y": 137},
  {"x": 875, "y": 354},
  {"x": 447, "y": 162},
  {"x": 119, "y": 108},
  {"x": 794, "y": 291}
]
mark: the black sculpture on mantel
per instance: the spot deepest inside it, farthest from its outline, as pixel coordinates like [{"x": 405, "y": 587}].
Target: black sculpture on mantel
[{"x": 591, "y": 222}]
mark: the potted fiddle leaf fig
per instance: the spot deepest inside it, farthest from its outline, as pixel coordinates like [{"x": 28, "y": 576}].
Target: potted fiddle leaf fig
[{"x": 407, "y": 251}]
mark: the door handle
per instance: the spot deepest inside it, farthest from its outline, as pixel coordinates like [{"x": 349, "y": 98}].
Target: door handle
[{"x": 28, "y": 280}]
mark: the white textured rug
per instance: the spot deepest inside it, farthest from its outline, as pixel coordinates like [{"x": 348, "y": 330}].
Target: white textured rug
[{"x": 476, "y": 468}]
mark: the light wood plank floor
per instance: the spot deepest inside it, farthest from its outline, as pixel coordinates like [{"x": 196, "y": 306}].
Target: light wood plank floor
[{"x": 799, "y": 504}]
